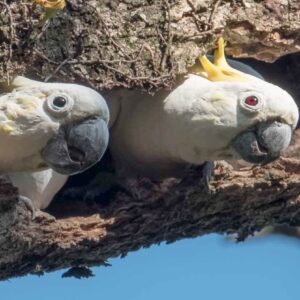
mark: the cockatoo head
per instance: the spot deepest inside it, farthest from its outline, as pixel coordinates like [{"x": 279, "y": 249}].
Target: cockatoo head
[
  {"x": 61, "y": 126},
  {"x": 227, "y": 114}
]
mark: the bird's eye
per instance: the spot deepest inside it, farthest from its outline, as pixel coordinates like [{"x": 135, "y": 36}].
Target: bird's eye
[
  {"x": 251, "y": 103},
  {"x": 59, "y": 101},
  {"x": 59, "y": 105}
]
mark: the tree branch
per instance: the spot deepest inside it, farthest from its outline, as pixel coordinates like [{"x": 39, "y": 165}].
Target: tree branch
[
  {"x": 88, "y": 234},
  {"x": 131, "y": 44}
]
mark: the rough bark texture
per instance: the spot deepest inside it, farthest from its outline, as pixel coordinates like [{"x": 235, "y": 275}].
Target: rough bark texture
[
  {"x": 140, "y": 42},
  {"x": 131, "y": 43},
  {"x": 88, "y": 234}
]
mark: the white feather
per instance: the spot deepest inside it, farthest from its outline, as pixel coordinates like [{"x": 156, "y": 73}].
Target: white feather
[{"x": 39, "y": 187}]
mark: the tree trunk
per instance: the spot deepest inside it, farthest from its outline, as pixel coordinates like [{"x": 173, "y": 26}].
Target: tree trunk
[{"x": 140, "y": 43}]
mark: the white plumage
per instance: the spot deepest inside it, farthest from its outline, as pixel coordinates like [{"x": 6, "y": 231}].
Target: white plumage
[
  {"x": 196, "y": 122},
  {"x": 46, "y": 127}
]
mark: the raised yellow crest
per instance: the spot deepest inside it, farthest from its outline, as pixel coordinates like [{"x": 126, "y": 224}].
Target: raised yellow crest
[
  {"x": 219, "y": 70},
  {"x": 51, "y": 4}
]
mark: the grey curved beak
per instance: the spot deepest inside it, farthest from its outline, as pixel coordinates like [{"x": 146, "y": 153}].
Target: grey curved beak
[
  {"x": 263, "y": 144},
  {"x": 77, "y": 147}
]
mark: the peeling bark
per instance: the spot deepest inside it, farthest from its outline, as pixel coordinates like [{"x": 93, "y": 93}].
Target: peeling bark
[{"x": 145, "y": 43}]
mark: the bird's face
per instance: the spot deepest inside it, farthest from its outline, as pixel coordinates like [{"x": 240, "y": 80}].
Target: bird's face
[
  {"x": 63, "y": 125},
  {"x": 230, "y": 120},
  {"x": 242, "y": 116},
  {"x": 265, "y": 115}
]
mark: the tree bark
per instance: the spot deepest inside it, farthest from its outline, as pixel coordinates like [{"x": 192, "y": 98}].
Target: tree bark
[
  {"x": 145, "y": 44},
  {"x": 140, "y": 42}
]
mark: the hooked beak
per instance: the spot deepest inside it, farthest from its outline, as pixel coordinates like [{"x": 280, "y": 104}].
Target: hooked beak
[
  {"x": 263, "y": 144},
  {"x": 77, "y": 147}
]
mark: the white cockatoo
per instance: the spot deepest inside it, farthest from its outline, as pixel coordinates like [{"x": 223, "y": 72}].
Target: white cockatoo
[
  {"x": 49, "y": 131},
  {"x": 217, "y": 112},
  {"x": 214, "y": 113}
]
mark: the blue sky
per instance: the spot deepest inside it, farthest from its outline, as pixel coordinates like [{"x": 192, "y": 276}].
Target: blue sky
[{"x": 204, "y": 268}]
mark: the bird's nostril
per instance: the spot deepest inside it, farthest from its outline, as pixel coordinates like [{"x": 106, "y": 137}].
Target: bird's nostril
[{"x": 76, "y": 155}]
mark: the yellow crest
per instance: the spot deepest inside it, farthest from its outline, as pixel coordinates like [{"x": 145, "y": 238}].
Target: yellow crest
[
  {"x": 219, "y": 70},
  {"x": 51, "y": 4}
]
